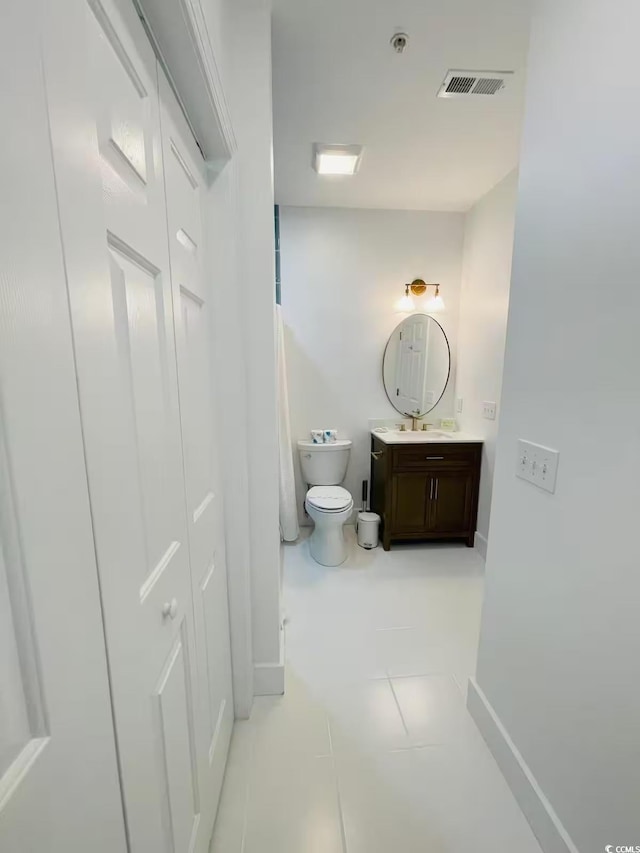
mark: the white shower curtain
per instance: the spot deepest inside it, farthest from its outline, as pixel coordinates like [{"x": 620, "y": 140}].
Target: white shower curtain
[{"x": 289, "y": 529}]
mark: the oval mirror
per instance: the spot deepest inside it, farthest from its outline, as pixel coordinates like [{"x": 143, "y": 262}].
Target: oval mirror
[{"x": 416, "y": 364}]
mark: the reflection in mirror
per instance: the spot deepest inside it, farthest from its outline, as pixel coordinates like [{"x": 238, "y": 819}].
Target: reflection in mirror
[{"x": 416, "y": 365}]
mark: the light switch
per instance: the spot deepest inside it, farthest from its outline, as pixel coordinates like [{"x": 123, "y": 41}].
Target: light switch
[
  {"x": 538, "y": 465},
  {"x": 489, "y": 410}
]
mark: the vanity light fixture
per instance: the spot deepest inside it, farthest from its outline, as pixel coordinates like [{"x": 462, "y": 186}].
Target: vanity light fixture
[
  {"x": 418, "y": 287},
  {"x": 336, "y": 159}
]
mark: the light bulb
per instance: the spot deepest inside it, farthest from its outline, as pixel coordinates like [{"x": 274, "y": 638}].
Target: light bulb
[
  {"x": 435, "y": 304},
  {"x": 405, "y": 305}
]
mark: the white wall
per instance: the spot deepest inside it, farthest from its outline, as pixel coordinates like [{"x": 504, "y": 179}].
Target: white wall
[
  {"x": 560, "y": 636},
  {"x": 250, "y": 88},
  {"x": 484, "y": 303},
  {"x": 230, "y": 384},
  {"x": 241, "y": 260},
  {"x": 342, "y": 272}
]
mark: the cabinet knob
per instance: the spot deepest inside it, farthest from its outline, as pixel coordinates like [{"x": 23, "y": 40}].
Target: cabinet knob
[{"x": 170, "y": 608}]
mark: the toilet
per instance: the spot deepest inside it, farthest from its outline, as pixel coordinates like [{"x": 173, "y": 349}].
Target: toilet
[{"x": 329, "y": 505}]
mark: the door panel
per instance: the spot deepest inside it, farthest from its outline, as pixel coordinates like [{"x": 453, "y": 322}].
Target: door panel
[
  {"x": 409, "y": 500},
  {"x": 451, "y": 507},
  {"x": 185, "y": 183},
  {"x": 144, "y": 354},
  {"x": 214, "y": 623},
  {"x": 56, "y": 734},
  {"x": 21, "y": 718},
  {"x": 123, "y": 120},
  {"x": 103, "y": 71},
  {"x": 192, "y": 329},
  {"x": 175, "y": 718},
  {"x": 163, "y": 810}
]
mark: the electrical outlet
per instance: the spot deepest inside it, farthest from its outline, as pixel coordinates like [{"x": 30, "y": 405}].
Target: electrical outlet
[
  {"x": 489, "y": 410},
  {"x": 538, "y": 465},
  {"x": 459, "y": 403}
]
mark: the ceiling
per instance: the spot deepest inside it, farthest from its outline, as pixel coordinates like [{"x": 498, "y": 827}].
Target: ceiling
[{"x": 336, "y": 79}]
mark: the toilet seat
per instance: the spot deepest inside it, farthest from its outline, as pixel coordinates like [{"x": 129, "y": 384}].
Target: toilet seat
[{"x": 329, "y": 498}]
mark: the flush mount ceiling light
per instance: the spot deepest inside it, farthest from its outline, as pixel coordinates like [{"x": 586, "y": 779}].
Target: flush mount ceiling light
[
  {"x": 418, "y": 287},
  {"x": 336, "y": 159}
]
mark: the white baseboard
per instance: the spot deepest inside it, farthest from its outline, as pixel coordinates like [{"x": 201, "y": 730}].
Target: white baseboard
[
  {"x": 268, "y": 679},
  {"x": 545, "y": 823},
  {"x": 480, "y": 542}
]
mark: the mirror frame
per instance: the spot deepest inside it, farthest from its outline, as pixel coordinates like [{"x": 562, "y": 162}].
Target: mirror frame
[{"x": 384, "y": 354}]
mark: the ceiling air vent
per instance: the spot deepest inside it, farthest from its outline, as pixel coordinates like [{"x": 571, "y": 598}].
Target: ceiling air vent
[{"x": 466, "y": 84}]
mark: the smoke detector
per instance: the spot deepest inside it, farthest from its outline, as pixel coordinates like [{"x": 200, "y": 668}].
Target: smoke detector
[
  {"x": 465, "y": 84},
  {"x": 399, "y": 41}
]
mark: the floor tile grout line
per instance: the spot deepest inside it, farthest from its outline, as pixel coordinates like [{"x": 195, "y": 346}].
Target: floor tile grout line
[
  {"x": 328, "y": 722},
  {"x": 438, "y": 674},
  {"x": 416, "y": 747},
  {"x": 404, "y": 723},
  {"x": 245, "y": 818},
  {"x": 343, "y": 832},
  {"x": 247, "y": 791},
  {"x": 458, "y": 685}
]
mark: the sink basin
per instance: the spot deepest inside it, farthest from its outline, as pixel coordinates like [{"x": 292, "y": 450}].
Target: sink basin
[{"x": 419, "y": 436}]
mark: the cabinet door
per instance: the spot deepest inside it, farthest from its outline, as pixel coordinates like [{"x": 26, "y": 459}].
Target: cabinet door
[
  {"x": 450, "y": 506},
  {"x": 409, "y": 502}
]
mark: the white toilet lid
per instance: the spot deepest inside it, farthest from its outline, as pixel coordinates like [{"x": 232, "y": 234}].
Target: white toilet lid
[{"x": 329, "y": 498}]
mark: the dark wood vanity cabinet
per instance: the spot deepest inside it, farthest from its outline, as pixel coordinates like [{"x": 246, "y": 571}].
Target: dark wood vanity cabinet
[{"x": 425, "y": 490}]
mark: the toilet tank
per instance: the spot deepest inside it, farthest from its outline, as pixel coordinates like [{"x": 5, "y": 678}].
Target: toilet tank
[{"x": 324, "y": 464}]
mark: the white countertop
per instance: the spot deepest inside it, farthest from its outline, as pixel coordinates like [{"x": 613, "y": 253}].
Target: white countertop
[{"x": 430, "y": 436}]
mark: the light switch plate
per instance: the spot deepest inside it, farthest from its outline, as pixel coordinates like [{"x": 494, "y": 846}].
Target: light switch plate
[
  {"x": 489, "y": 410},
  {"x": 538, "y": 465},
  {"x": 459, "y": 404}
]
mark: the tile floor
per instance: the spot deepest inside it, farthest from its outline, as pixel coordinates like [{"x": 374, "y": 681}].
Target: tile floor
[{"x": 371, "y": 749}]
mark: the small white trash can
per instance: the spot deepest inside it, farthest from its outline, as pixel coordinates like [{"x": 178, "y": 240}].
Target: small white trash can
[{"x": 367, "y": 527}]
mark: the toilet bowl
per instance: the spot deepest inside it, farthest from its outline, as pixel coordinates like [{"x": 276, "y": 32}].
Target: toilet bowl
[{"x": 329, "y": 507}]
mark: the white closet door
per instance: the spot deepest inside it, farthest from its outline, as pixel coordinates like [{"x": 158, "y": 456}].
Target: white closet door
[
  {"x": 105, "y": 127},
  {"x": 185, "y": 185},
  {"x": 59, "y": 788}
]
